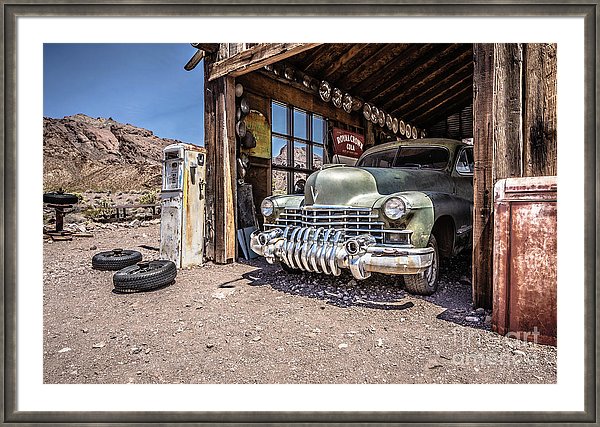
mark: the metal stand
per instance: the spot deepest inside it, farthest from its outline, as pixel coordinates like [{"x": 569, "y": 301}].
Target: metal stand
[{"x": 58, "y": 233}]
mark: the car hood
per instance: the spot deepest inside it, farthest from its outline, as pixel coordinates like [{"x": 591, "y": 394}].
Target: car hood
[{"x": 355, "y": 186}]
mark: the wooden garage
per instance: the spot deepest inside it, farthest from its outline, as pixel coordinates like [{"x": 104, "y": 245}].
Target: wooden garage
[{"x": 502, "y": 97}]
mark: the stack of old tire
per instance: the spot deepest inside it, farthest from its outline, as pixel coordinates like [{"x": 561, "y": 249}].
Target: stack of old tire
[{"x": 132, "y": 274}]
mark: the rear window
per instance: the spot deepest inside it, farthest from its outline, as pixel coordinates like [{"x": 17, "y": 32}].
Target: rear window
[
  {"x": 381, "y": 159},
  {"x": 422, "y": 158}
]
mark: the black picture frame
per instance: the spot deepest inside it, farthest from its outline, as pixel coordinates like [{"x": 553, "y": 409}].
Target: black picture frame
[{"x": 13, "y": 9}]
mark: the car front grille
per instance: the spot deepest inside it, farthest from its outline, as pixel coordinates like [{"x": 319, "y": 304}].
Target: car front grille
[{"x": 353, "y": 221}]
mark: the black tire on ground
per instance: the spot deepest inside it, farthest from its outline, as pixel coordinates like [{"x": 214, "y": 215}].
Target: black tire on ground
[
  {"x": 60, "y": 198},
  {"x": 425, "y": 283},
  {"x": 145, "y": 276},
  {"x": 115, "y": 259},
  {"x": 289, "y": 269}
]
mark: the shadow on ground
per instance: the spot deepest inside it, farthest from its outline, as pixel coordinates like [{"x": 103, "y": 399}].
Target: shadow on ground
[{"x": 382, "y": 292}]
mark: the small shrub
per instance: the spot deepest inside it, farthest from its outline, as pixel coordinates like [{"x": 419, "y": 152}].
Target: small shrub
[
  {"x": 149, "y": 198},
  {"x": 78, "y": 195},
  {"x": 102, "y": 209}
]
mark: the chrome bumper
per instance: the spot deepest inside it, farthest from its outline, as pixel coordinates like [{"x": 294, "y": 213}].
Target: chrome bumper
[{"x": 324, "y": 250}]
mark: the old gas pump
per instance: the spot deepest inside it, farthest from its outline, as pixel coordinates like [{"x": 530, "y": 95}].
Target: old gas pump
[{"x": 182, "y": 205}]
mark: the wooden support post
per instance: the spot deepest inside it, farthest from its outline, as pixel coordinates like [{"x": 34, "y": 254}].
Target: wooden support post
[
  {"x": 483, "y": 131},
  {"x": 514, "y": 116},
  {"x": 507, "y": 111},
  {"x": 219, "y": 129},
  {"x": 539, "y": 124}
]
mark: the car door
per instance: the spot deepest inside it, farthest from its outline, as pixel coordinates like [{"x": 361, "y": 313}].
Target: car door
[{"x": 462, "y": 176}]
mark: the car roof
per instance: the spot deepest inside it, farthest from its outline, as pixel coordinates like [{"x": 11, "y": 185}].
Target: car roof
[{"x": 451, "y": 144}]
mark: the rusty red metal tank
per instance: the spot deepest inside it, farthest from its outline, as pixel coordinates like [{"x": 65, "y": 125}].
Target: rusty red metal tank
[{"x": 524, "y": 305}]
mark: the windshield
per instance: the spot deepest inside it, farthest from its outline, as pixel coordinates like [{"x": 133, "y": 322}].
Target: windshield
[
  {"x": 380, "y": 159},
  {"x": 422, "y": 158}
]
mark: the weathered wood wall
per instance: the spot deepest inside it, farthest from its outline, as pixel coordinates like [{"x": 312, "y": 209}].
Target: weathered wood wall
[
  {"x": 514, "y": 115},
  {"x": 220, "y": 144}
]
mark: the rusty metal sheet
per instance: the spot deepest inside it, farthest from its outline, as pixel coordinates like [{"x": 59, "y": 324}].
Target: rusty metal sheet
[
  {"x": 260, "y": 127},
  {"x": 524, "y": 305}
]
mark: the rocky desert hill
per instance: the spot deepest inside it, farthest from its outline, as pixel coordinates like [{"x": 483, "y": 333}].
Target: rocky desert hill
[{"x": 83, "y": 153}]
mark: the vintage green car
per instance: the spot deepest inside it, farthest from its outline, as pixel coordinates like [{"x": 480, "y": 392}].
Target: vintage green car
[{"x": 403, "y": 206}]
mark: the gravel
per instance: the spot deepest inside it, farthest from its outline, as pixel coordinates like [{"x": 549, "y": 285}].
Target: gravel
[{"x": 250, "y": 322}]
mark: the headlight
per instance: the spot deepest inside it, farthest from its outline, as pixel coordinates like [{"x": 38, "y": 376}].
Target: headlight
[
  {"x": 266, "y": 207},
  {"x": 394, "y": 208}
]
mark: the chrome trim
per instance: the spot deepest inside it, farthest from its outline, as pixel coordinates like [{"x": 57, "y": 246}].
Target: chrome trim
[{"x": 323, "y": 250}]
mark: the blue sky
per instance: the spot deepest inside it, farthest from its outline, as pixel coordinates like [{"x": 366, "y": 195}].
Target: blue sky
[{"x": 141, "y": 84}]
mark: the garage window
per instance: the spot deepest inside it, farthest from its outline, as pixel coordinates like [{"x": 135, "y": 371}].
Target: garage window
[{"x": 297, "y": 142}]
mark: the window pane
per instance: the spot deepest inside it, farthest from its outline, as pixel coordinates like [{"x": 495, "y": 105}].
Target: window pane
[
  {"x": 381, "y": 159},
  {"x": 422, "y": 157},
  {"x": 300, "y": 124},
  {"x": 278, "y": 119},
  {"x": 279, "y": 182},
  {"x": 318, "y": 126},
  {"x": 317, "y": 157},
  {"x": 279, "y": 151},
  {"x": 300, "y": 155},
  {"x": 299, "y": 182}
]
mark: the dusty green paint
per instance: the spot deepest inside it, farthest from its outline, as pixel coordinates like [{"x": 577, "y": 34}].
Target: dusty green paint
[{"x": 429, "y": 194}]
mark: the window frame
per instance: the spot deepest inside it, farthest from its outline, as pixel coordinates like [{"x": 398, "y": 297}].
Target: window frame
[
  {"x": 462, "y": 150},
  {"x": 291, "y": 140}
]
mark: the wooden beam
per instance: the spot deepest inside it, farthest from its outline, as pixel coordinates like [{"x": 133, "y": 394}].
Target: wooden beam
[
  {"x": 539, "y": 122},
  {"x": 508, "y": 114},
  {"x": 444, "y": 106},
  {"x": 483, "y": 196},
  {"x": 412, "y": 100},
  {"x": 207, "y": 47},
  {"x": 321, "y": 60},
  {"x": 220, "y": 145},
  {"x": 417, "y": 84},
  {"x": 332, "y": 72},
  {"x": 210, "y": 143},
  {"x": 195, "y": 60},
  {"x": 440, "y": 99},
  {"x": 273, "y": 89},
  {"x": 379, "y": 58},
  {"x": 383, "y": 72},
  {"x": 255, "y": 58}
]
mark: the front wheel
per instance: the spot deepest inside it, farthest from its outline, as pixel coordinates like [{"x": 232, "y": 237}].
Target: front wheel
[{"x": 425, "y": 283}]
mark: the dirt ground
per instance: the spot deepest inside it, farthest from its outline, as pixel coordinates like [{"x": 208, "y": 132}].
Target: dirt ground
[{"x": 250, "y": 322}]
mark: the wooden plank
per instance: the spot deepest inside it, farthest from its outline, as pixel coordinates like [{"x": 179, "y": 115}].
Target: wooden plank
[
  {"x": 348, "y": 61},
  {"x": 539, "y": 122},
  {"x": 207, "y": 47},
  {"x": 273, "y": 89},
  {"x": 210, "y": 143},
  {"x": 255, "y": 58},
  {"x": 378, "y": 59},
  {"x": 225, "y": 226},
  {"x": 444, "y": 109},
  {"x": 412, "y": 100},
  {"x": 423, "y": 63},
  {"x": 321, "y": 60},
  {"x": 483, "y": 114},
  {"x": 508, "y": 134},
  {"x": 220, "y": 144},
  {"x": 440, "y": 101},
  {"x": 194, "y": 60},
  {"x": 401, "y": 89},
  {"x": 380, "y": 73}
]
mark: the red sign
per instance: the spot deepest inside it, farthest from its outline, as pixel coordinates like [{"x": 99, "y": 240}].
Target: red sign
[{"x": 346, "y": 143}]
